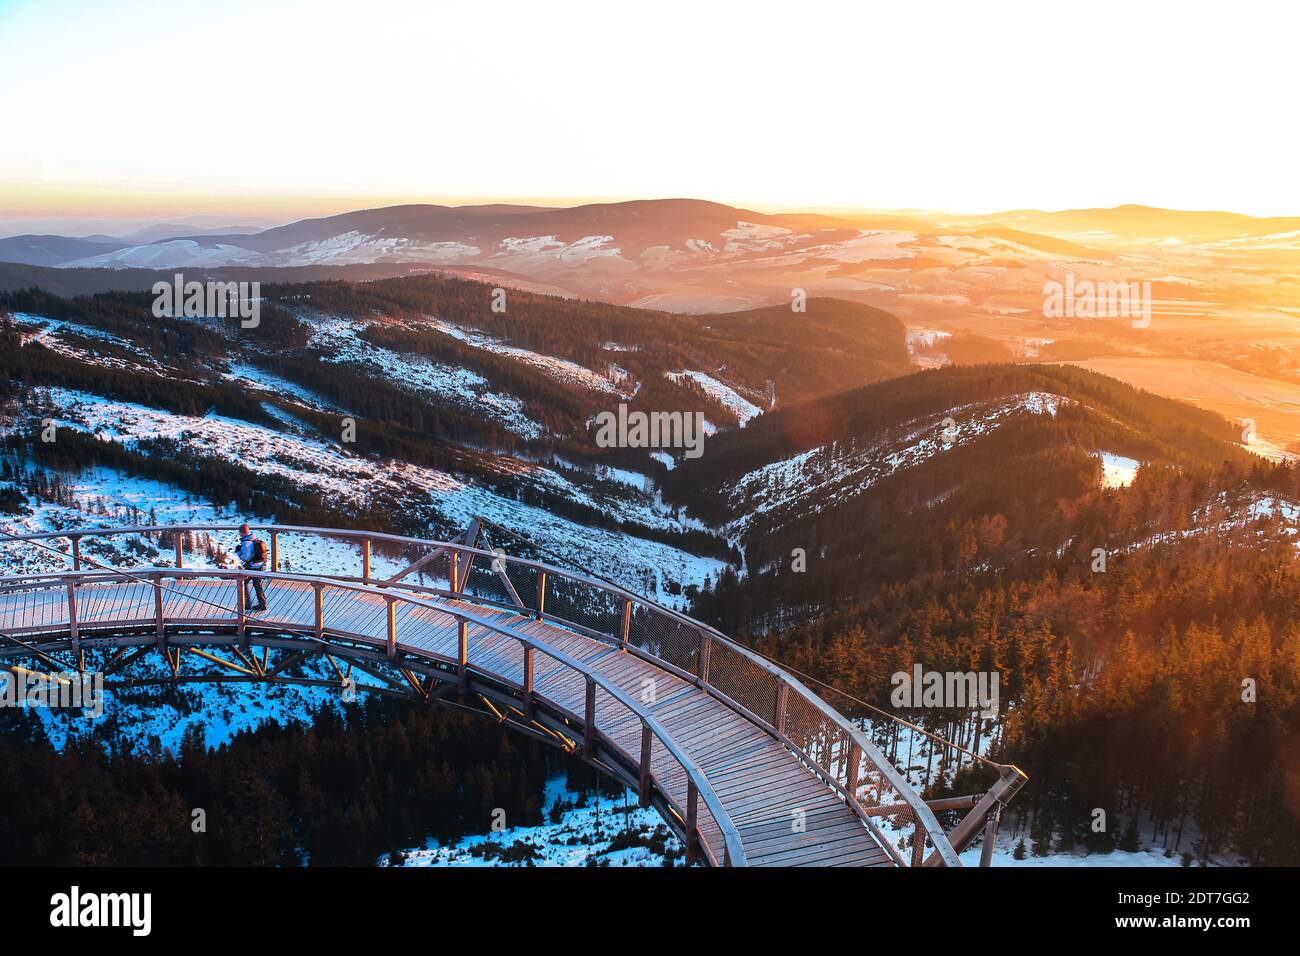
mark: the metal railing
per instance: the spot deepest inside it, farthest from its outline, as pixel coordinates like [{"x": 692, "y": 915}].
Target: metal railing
[{"x": 829, "y": 744}]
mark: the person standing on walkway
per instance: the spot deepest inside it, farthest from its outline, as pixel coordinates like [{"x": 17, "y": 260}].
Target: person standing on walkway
[{"x": 252, "y": 554}]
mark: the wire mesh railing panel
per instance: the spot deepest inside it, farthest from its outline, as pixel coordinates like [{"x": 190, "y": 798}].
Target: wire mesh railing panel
[
  {"x": 711, "y": 835},
  {"x": 672, "y": 780},
  {"x": 666, "y": 638},
  {"x": 839, "y": 754},
  {"x": 198, "y": 599},
  {"x": 744, "y": 681},
  {"x": 389, "y": 558},
  {"x": 667, "y": 773},
  {"x": 291, "y": 603},
  {"x": 39, "y": 608},
  {"x": 483, "y": 582},
  {"x": 547, "y": 669},
  {"x": 558, "y": 682},
  {"x": 579, "y": 603},
  {"x": 808, "y": 728},
  {"x": 351, "y": 612},
  {"x": 523, "y": 578},
  {"x": 865, "y": 776},
  {"x": 875, "y": 793},
  {"x": 619, "y": 723},
  {"x": 50, "y": 609},
  {"x": 309, "y": 553},
  {"x": 505, "y": 659},
  {"x": 487, "y": 649},
  {"x": 427, "y": 628},
  {"x": 131, "y": 600},
  {"x": 303, "y": 554}
]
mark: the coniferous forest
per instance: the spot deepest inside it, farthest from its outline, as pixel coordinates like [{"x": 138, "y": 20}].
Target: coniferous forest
[
  {"x": 376, "y": 777},
  {"x": 1159, "y": 683}
]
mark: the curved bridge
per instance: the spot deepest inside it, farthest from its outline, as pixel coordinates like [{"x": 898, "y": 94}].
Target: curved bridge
[{"x": 744, "y": 762}]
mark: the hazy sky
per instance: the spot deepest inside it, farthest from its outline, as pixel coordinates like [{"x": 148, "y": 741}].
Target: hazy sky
[{"x": 157, "y": 109}]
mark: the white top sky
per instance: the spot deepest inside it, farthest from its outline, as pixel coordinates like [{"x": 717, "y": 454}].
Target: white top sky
[{"x": 278, "y": 109}]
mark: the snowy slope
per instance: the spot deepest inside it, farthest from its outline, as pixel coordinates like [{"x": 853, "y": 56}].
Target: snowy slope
[
  {"x": 724, "y": 394},
  {"x": 438, "y": 498},
  {"x": 775, "y": 492},
  {"x": 341, "y": 341},
  {"x": 562, "y": 370},
  {"x": 172, "y": 254}
]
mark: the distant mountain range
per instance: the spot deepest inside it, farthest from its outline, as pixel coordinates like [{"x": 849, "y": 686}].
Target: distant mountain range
[
  {"x": 53, "y": 250},
  {"x": 621, "y": 252},
  {"x": 689, "y": 255},
  {"x": 49, "y": 250}
]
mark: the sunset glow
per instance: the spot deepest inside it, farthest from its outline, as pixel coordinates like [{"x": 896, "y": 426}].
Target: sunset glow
[{"x": 144, "y": 109}]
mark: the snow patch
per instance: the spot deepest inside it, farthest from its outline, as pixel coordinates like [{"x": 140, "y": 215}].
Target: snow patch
[
  {"x": 724, "y": 394},
  {"x": 1116, "y": 470}
]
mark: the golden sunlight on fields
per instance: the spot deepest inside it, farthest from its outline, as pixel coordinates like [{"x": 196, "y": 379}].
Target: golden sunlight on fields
[{"x": 1273, "y": 405}]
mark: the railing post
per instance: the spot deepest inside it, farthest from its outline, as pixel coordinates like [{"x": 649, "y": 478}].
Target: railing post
[
  {"x": 180, "y": 550},
  {"x": 692, "y": 827},
  {"x": 528, "y": 681},
  {"x": 392, "y": 627},
  {"x": 589, "y": 730},
  {"x": 76, "y": 552},
  {"x": 918, "y": 845},
  {"x": 647, "y": 738},
  {"x": 275, "y": 551},
  {"x": 462, "y": 653},
  {"x": 706, "y": 654},
  {"x": 541, "y": 594},
  {"x": 158, "y": 611},
  {"x": 782, "y": 702},
  {"x": 855, "y": 761},
  {"x": 454, "y": 576},
  {"x": 320, "y": 609},
  {"x": 625, "y": 625},
  {"x": 365, "y": 560},
  {"x": 72, "y": 620},
  {"x": 241, "y": 604}
]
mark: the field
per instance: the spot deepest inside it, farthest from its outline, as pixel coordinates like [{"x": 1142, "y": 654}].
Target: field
[{"x": 1273, "y": 405}]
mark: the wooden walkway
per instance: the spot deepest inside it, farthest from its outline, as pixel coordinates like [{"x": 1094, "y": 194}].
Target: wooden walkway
[{"x": 785, "y": 814}]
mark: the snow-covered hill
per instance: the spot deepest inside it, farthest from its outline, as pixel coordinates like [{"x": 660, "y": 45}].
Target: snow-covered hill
[
  {"x": 779, "y": 492},
  {"x": 286, "y": 447}
]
